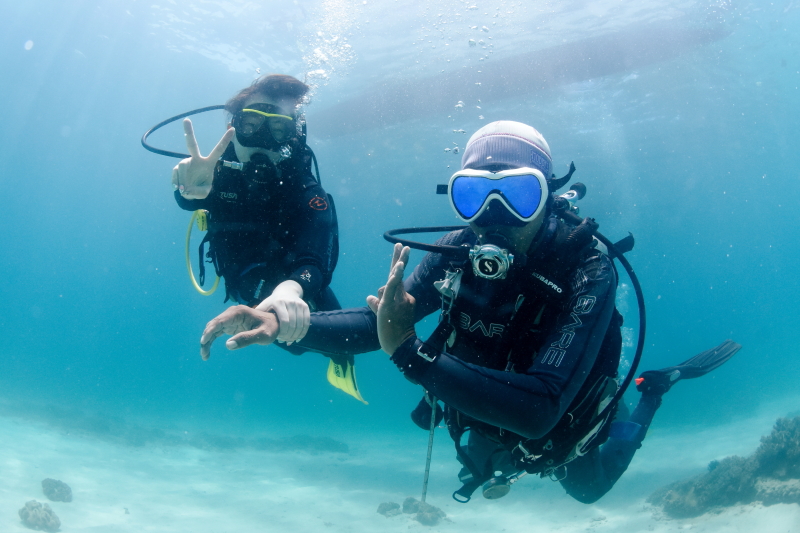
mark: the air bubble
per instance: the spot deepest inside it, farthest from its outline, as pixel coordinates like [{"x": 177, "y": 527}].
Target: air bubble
[
  {"x": 318, "y": 73},
  {"x": 320, "y": 55}
]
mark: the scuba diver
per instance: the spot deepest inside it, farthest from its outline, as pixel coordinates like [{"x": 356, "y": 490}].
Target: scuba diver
[
  {"x": 526, "y": 353},
  {"x": 272, "y": 228}
]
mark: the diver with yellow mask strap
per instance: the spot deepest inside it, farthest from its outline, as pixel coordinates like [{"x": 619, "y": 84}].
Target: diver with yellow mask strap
[{"x": 272, "y": 231}]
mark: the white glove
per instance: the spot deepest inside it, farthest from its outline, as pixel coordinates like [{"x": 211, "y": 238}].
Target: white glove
[
  {"x": 193, "y": 176},
  {"x": 286, "y": 301}
]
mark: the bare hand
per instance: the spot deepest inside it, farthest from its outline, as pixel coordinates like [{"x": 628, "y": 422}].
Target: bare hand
[
  {"x": 193, "y": 176},
  {"x": 393, "y": 306},
  {"x": 248, "y": 326}
]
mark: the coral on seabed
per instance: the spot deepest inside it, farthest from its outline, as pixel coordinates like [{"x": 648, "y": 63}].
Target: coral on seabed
[
  {"x": 731, "y": 481},
  {"x": 39, "y": 517},
  {"x": 771, "y": 475},
  {"x": 56, "y": 491},
  {"x": 779, "y": 454},
  {"x": 388, "y": 509},
  {"x": 772, "y": 491},
  {"x": 426, "y": 514}
]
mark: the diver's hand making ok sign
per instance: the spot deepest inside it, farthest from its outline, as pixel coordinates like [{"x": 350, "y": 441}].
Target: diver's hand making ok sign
[
  {"x": 193, "y": 176},
  {"x": 393, "y": 306}
]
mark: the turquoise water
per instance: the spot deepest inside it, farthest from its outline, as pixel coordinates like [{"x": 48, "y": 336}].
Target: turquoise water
[{"x": 681, "y": 120}]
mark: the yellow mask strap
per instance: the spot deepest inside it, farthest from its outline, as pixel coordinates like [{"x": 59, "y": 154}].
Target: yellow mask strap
[{"x": 268, "y": 115}]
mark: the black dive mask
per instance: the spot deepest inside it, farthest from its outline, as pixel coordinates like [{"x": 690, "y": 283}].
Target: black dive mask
[{"x": 264, "y": 126}]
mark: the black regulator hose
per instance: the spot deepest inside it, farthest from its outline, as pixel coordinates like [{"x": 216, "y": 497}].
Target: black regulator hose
[
  {"x": 163, "y": 123},
  {"x": 637, "y": 288},
  {"x": 457, "y": 252},
  {"x": 572, "y": 218}
]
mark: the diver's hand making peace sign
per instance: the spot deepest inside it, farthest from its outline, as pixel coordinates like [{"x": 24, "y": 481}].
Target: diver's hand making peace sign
[
  {"x": 193, "y": 176},
  {"x": 393, "y": 306}
]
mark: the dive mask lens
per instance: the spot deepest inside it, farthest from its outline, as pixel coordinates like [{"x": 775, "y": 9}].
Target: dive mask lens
[
  {"x": 263, "y": 125},
  {"x": 522, "y": 191},
  {"x": 249, "y": 124},
  {"x": 281, "y": 129}
]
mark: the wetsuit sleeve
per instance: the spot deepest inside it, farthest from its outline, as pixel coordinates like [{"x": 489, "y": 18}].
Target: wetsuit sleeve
[
  {"x": 528, "y": 403},
  {"x": 353, "y": 331},
  {"x": 315, "y": 231},
  {"x": 342, "y": 332},
  {"x": 192, "y": 205}
]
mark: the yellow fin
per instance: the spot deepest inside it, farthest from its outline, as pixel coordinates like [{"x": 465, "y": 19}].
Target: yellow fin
[{"x": 343, "y": 377}]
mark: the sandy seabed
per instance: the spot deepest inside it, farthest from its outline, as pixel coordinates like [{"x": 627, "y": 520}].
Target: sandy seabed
[{"x": 119, "y": 488}]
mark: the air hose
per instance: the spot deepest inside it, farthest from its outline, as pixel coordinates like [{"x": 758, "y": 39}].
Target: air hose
[{"x": 202, "y": 225}]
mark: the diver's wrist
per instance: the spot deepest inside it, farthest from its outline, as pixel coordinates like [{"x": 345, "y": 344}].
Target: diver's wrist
[{"x": 413, "y": 357}]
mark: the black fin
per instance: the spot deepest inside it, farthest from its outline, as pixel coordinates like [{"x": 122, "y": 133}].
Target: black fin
[
  {"x": 441, "y": 188},
  {"x": 660, "y": 381},
  {"x": 556, "y": 183}
]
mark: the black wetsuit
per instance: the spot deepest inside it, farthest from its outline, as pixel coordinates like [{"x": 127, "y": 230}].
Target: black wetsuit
[
  {"x": 523, "y": 380},
  {"x": 266, "y": 228}
]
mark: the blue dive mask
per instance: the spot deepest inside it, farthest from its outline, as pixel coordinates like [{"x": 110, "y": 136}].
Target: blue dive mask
[{"x": 522, "y": 191}]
